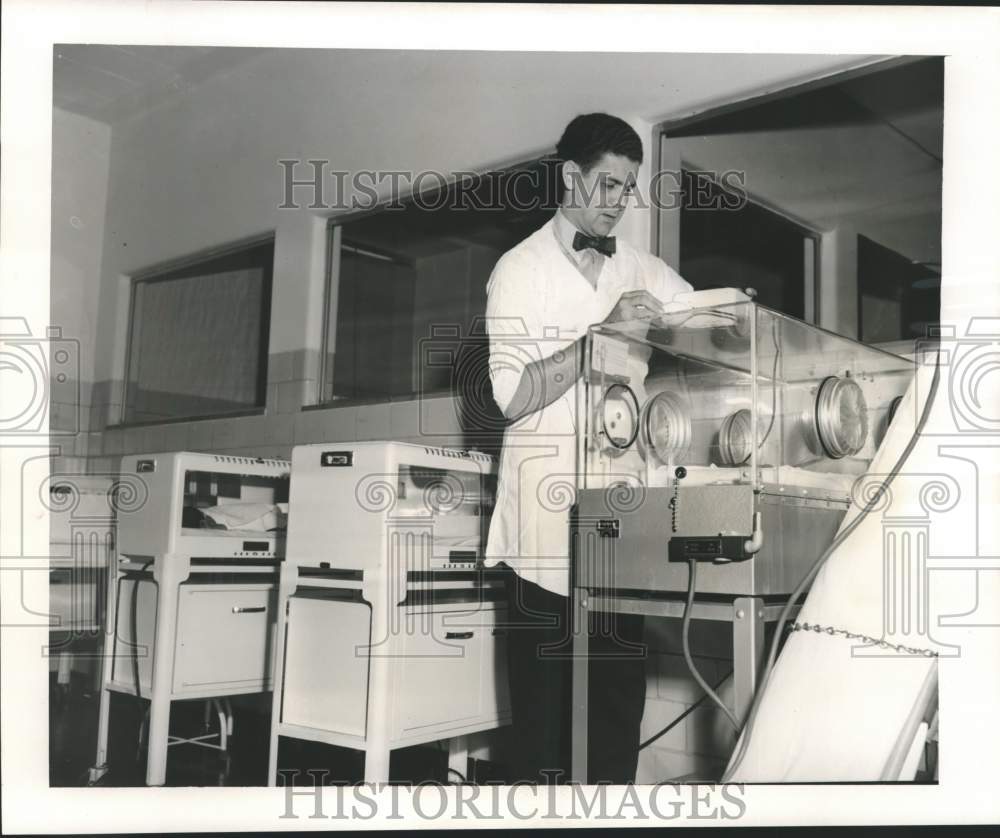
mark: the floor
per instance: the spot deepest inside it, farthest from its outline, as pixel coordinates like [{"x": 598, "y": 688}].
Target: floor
[
  {"x": 73, "y": 716},
  {"x": 73, "y": 742}
]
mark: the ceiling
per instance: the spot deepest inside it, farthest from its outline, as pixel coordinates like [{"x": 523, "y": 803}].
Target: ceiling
[
  {"x": 114, "y": 82},
  {"x": 909, "y": 98},
  {"x": 109, "y": 83}
]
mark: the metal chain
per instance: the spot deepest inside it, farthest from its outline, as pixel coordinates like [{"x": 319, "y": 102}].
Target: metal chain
[{"x": 850, "y": 635}]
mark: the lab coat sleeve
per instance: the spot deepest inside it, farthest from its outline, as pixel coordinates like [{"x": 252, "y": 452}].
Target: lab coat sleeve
[{"x": 514, "y": 323}]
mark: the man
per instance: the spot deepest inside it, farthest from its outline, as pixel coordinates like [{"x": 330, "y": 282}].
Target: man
[{"x": 541, "y": 298}]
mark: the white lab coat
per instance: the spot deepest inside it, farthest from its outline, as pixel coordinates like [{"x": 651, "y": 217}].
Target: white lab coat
[{"x": 538, "y": 302}]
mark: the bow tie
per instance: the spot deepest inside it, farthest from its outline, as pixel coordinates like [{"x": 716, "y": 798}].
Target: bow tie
[{"x": 602, "y": 244}]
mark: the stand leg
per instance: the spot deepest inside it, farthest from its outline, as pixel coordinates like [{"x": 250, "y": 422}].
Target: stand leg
[
  {"x": 458, "y": 755},
  {"x": 377, "y": 764},
  {"x": 106, "y": 670},
  {"x": 100, "y": 767},
  {"x": 223, "y": 724},
  {"x": 748, "y": 651},
  {"x": 65, "y": 668},
  {"x": 286, "y": 588},
  {"x": 96, "y": 672},
  {"x": 581, "y": 671},
  {"x": 159, "y": 710},
  {"x": 388, "y": 622}
]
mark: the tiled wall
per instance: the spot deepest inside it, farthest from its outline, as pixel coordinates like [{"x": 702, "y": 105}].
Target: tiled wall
[
  {"x": 88, "y": 442},
  {"x": 699, "y": 746}
]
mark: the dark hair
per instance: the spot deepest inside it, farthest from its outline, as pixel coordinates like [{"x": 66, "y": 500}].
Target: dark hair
[{"x": 590, "y": 136}]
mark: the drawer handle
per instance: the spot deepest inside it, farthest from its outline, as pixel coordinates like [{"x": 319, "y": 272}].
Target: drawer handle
[
  {"x": 256, "y": 609},
  {"x": 458, "y": 635},
  {"x": 499, "y": 632}
]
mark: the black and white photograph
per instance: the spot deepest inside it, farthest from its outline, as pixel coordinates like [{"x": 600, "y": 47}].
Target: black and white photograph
[{"x": 489, "y": 415}]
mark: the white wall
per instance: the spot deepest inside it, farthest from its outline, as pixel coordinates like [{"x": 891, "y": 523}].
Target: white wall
[
  {"x": 80, "y": 150},
  {"x": 80, "y": 159}
]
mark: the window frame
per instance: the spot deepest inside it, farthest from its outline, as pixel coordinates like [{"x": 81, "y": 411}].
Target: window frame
[
  {"x": 163, "y": 272},
  {"x": 334, "y": 237},
  {"x": 660, "y": 220},
  {"x": 811, "y": 280}
]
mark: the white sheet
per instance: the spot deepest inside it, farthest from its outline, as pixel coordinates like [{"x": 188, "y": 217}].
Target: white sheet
[
  {"x": 253, "y": 517},
  {"x": 828, "y": 714}
]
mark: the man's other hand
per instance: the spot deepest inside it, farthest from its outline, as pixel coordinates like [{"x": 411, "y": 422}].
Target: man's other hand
[{"x": 634, "y": 305}]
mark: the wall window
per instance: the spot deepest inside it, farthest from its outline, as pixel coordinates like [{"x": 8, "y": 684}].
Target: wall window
[
  {"x": 898, "y": 299},
  {"x": 407, "y": 285},
  {"x": 198, "y": 337},
  {"x": 375, "y": 323},
  {"x": 749, "y": 247},
  {"x": 845, "y": 173}
]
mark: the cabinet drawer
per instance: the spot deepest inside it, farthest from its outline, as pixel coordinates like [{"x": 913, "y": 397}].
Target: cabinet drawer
[
  {"x": 224, "y": 637},
  {"x": 441, "y": 679}
]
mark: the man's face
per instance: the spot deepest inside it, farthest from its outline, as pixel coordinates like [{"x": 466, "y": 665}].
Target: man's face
[{"x": 595, "y": 200}]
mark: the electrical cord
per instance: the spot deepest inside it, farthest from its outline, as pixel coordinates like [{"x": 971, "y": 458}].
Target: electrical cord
[
  {"x": 685, "y": 714},
  {"x": 818, "y": 564},
  {"x": 685, "y": 644}
]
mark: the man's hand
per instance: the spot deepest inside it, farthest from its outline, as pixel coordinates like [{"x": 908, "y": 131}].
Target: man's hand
[{"x": 634, "y": 305}]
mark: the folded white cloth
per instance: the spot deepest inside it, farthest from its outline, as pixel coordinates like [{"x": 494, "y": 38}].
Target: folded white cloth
[{"x": 259, "y": 517}]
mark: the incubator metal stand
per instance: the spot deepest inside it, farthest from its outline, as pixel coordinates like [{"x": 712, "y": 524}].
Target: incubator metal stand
[
  {"x": 191, "y": 596},
  {"x": 722, "y": 439},
  {"x": 388, "y": 632}
]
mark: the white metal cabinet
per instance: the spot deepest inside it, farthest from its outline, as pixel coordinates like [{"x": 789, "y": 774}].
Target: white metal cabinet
[
  {"x": 81, "y": 547},
  {"x": 193, "y": 572},
  {"x": 384, "y": 557}
]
